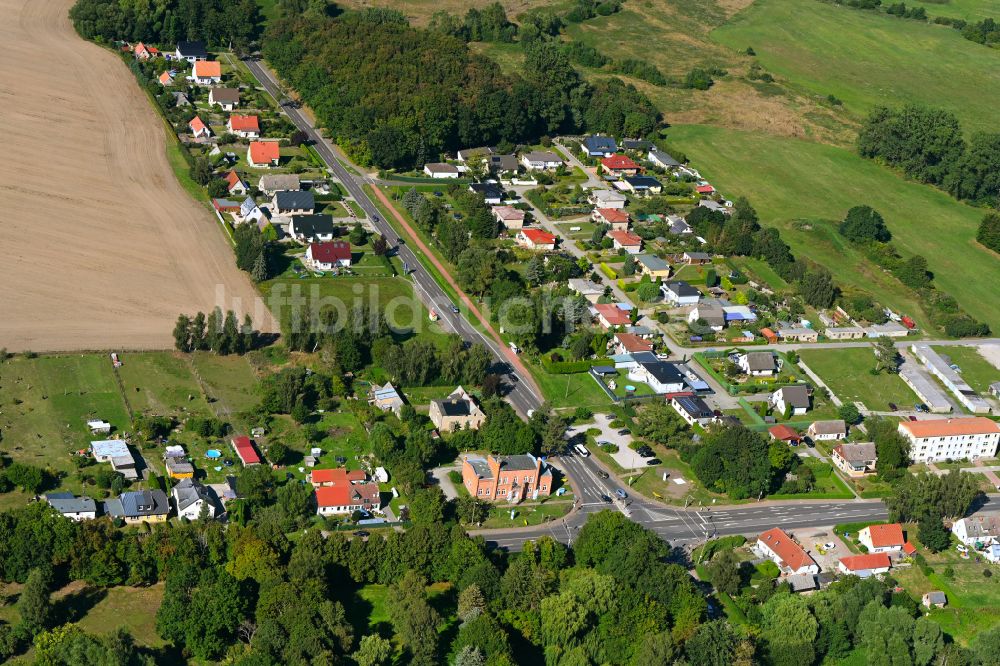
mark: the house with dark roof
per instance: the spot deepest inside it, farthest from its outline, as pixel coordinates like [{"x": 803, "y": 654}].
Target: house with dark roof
[
  {"x": 139, "y": 506},
  {"x": 599, "y": 146},
  {"x": 679, "y": 293},
  {"x": 793, "y": 398},
  {"x": 662, "y": 159},
  {"x": 191, "y": 51},
  {"x": 653, "y": 266},
  {"x": 72, "y": 507},
  {"x": 179, "y": 468},
  {"x": 226, "y": 98},
  {"x": 692, "y": 409},
  {"x": 190, "y": 497},
  {"x": 312, "y": 228},
  {"x": 642, "y": 185},
  {"x": 827, "y": 430},
  {"x": 708, "y": 313},
  {"x": 280, "y": 181},
  {"x": 386, "y": 398},
  {"x": 855, "y": 459},
  {"x": 329, "y": 255},
  {"x": 639, "y": 145},
  {"x": 758, "y": 363},
  {"x": 501, "y": 164},
  {"x": 458, "y": 411},
  {"x": 294, "y": 202},
  {"x": 661, "y": 376},
  {"x": 492, "y": 193},
  {"x": 511, "y": 478},
  {"x": 541, "y": 160}
]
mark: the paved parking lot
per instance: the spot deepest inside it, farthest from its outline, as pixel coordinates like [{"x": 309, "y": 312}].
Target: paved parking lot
[{"x": 626, "y": 457}]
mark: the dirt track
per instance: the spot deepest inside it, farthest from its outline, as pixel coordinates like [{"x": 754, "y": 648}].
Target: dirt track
[{"x": 102, "y": 248}]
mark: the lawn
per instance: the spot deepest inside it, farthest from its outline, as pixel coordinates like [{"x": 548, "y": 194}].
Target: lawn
[
  {"x": 803, "y": 188},
  {"x": 828, "y": 485},
  {"x": 868, "y": 58},
  {"x": 846, "y": 372},
  {"x": 133, "y": 608},
  {"x": 46, "y": 401},
  {"x": 528, "y": 514},
  {"x": 975, "y": 369},
  {"x": 570, "y": 391},
  {"x": 973, "y": 601},
  {"x": 162, "y": 383}
]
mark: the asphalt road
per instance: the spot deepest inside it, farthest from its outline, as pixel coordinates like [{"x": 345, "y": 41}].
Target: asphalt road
[
  {"x": 687, "y": 527},
  {"x": 518, "y": 393}
]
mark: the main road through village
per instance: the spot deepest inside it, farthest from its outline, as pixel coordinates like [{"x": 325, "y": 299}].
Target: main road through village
[{"x": 679, "y": 526}]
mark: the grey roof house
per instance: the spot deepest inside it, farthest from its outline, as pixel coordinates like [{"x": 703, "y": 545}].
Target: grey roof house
[
  {"x": 72, "y": 507},
  {"x": 136, "y": 506},
  {"x": 294, "y": 202}
]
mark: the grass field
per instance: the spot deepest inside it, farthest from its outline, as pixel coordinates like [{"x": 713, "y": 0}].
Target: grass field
[
  {"x": 973, "y": 600},
  {"x": 570, "y": 391},
  {"x": 845, "y": 371},
  {"x": 803, "y": 188},
  {"x": 970, "y": 10},
  {"x": 867, "y": 58},
  {"x": 975, "y": 369}
]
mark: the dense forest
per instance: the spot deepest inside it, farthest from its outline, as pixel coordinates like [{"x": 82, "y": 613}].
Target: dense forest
[
  {"x": 215, "y": 22},
  {"x": 249, "y": 595},
  {"x": 397, "y": 96}
]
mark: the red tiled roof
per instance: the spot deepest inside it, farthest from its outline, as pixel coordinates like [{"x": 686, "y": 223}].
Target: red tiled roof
[
  {"x": 337, "y": 475},
  {"x": 197, "y": 125},
  {"x": 633, "y": 343},
  {"x": 245, "y": 450},
  {"x": 539, "y": 237},
  {"x": 784, "y": 433},
  {"x": 884, "y": 536},
  {"x": 787, "y": 550},
  {"x": 165, "y": 78},
  {"x": 619, "y": 162},
  {"x": 244, "y": 123},
  {"x": 331, "y": 252},
  {"x": 613, "y": 215},
  {"x": 626, "y": 238},
  {"x": 613, "y": 314},
  {"x": 909, "y": 548},
  {"x": 346, "y": 495},
  {"x": 233, "y": 179},
  {"x": 262, "y": 152},
  {"x": 208, "y": 68},
  {"x": 704, "y": 189},
  {"x": 869, "y": 561},
  {"x": 976, "y": 425}
]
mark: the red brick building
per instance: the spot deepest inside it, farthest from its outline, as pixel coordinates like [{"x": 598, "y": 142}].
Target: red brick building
[{"x": 511, "y": 478}]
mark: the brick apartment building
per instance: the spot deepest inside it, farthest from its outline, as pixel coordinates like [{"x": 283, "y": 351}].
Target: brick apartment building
[{"x": 511, "y": 478}]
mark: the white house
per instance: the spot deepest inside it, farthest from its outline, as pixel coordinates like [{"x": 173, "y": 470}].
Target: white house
[
  {"x": 441, "y": 170},
  {"x": 827, "y": 430},
  {"x": 206, "y": 72},
  {"x": 794, "y": 398},
  {"x": 536, "y": 239},
  {"x": 191, "y": 51},
  {"x": 692, "y": 409},
  {"x": 541, "y": 160},
  {"x": 327, "y": 256},
  {"x": 189, "y": 498},
  {"x": 882, "y": 538},
  {"x": 249, "y": 211},
  {"x": 783, "y": 551},
  {"x": 264, "y": 154},
  {"x": 247, "y": 127},
  {"x": 958, "y": 439},
  {"x": 72, "y": 507},
  {"x": 864, "y": 566},
  {"x": 312, "y": 228},
  {"x": 680, "y": 293},
  {"x": 226, "y": 98},
  {"x": 626, "y": 240},
  {"x": 979, "y": 528},
  {"x": 347, "y": 497},
  {"x": 199, "y": 129},
  {"x": 293, "y": 202},
  {"x": 511, "y": 218},
  {"x": 758, "y": 363}
]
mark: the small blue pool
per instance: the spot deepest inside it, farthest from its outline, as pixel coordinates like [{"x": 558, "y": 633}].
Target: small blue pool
[
  {"x": 213, "y": 454},
  {"x": 630, "y": 388}
]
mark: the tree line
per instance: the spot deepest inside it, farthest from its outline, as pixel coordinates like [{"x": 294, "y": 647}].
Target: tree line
[
  {"x": 217, "y": 332},
  {"x": 421, "y": 92},
  {"x": 166, "y": 22}
]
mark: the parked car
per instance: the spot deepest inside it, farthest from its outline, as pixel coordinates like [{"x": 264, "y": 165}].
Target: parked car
[
  {"x": 912, "y": 417},
  {"x": 604, "y": 475},
  {"x": 892, "y": 407},
  {"x": 645, "y": 452},
  {"x": 621, "y": 493},
  {"x": 624, "y": 431},
  {"x": 361, "y": 533},
  {"x": 653, "y": 461}
]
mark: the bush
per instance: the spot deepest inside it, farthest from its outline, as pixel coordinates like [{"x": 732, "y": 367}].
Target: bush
[
  {"x": 582, "y": 414},
  {"x": 608, "y": 447},
  {"x": 617, "y": 423}
]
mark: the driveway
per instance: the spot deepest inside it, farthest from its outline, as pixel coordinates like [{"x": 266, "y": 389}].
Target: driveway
[
  {"x": 625, "y": 457},
  {"x": 440, "y": 475}
]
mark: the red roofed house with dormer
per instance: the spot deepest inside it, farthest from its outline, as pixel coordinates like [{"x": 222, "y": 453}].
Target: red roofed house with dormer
[
  {"x": 619, "y": 165},
  {"x": 536, "y": 239},
  {"x": 247, "y": 127},
  {"x": 199, "y": 129},
  {"x": 783, "y": 551},
  {"x": 330, "y": 255}
]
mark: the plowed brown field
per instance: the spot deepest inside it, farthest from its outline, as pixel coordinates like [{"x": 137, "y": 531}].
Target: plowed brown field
[{"x": 101, "y": 248}]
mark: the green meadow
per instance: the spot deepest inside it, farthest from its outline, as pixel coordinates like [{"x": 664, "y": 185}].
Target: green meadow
[
  {"x": 866, "y": 58},
  {"x": 805, "y": 188}
]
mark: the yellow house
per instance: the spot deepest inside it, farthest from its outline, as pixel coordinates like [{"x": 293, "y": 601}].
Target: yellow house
[
  {"x": 652, "y": 266},
  {"x": 179, "y": 468},
  {"x": 139, "y": 506}
]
